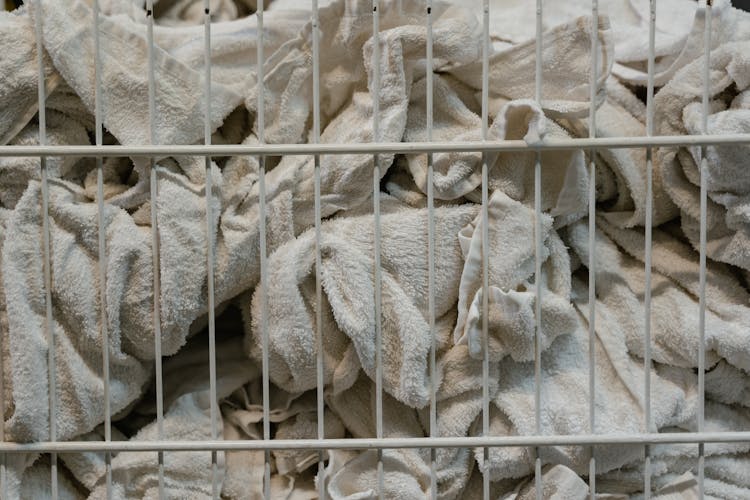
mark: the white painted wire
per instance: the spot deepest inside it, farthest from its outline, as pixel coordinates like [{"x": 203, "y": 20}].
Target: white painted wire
[
  {"x": 154, "y": 170},
  {"x": 214, "y": 409},
  {"x": 592, "y": 241},
  {"x": 703, "y": 231},
  {"x": 648, "y": 247},
  {"x": 538, "y": 261},
  {"x": 485, "y": 246},
  {"x": 102, "y": 250},
  {"x": 609, "y": 439},
  {"x": 376, "y": 242},
  {"x": 263, "y": 255},
  {"x": 318, "y": 260},
  {"x": 431, "y": 254},
  {"x": 46, "y": 250},
  {"x": 511, "y": 145}
]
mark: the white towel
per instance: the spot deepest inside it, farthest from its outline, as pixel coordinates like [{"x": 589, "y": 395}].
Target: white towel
[
  {"x": 621, "y": 173},
  {"x": 123, "y": 49},
  {"x": 511, "y": 322},
  {"x": 565, "y": 397},
  {"x": 678, "y": 108},
  {"x": 78, "y": 353},
  {"x": 727, "y": 25},
  {"x": 187, "y": 417},
  {"x": 15, "y": 173},
  {"x": 459, "y": 174},
  {"x": 19, "y": 67},
  {"x": 348, "y": 301},
  {"x": 566, "y": 53},
  {"x": 674, "y": 323}
]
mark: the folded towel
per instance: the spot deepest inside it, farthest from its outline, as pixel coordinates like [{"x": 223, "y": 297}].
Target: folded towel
[{"x": 678, "y": 108}]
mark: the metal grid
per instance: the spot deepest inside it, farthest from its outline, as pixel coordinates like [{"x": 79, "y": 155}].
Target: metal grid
[{"x": 595, "y": 436}]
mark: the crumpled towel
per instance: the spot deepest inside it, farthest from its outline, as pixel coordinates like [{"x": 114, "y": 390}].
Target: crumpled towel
[
  {"x": 459, "y": 174},
  {"x": 565, "y": 48},
  {"x": 678, "y": 111},
  {"x": 512, "y": 294},
  {"x": 187, "y": 417},
  {"x": 348, "y": 301},
  {"x": 621, "y": 173}
]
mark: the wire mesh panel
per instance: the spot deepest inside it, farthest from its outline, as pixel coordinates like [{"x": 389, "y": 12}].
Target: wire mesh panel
[{"x": 370, "y": 248}]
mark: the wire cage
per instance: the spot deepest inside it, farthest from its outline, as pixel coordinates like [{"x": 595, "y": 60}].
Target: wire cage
[{"x": 592, "y": 436}]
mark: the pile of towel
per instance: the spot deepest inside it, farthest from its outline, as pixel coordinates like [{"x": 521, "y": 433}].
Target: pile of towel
[{"x": 348, "y": 95}]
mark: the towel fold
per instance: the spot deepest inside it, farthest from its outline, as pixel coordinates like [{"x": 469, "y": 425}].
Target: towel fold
[
  {"x": 674, "y": 299},
  {"x": 459, "y": 174}
]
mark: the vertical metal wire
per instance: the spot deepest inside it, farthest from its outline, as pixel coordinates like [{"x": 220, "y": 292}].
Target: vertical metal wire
[
  {"x": 648, "y": 249},
  {"x": 592, "y": 241},
  {"x": 485, "y": 246},
  {"x": 431, "y": 256},
  {"x": 376, "y": 242},
  {"x": 538, "y": 261},
  {"x": 703, "y": 230},
  {"x": 318, "y": 260},
  {"x": 155, "y": 241},
  {"x": 49, "y": 325},
  {"x": 214, "y": 410},
  {"x": 263, "y": 257},
  {"x": 102, "y": 249}
]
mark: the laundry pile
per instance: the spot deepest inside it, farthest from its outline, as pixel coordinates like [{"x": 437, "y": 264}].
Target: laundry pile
[{"x": 348, "y": 95}]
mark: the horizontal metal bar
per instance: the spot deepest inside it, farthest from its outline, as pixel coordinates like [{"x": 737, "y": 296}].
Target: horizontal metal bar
[
  {"x": 376, "y": 147},
  {"x": 374, "y": 443}
]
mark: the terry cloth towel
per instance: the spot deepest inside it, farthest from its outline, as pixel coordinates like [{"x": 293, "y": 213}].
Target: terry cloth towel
[
  {"x": 727, "y": 25},
  {"x": 621, "y": 173},
  {"x": 123, "y": 48},
  {"x": 726, "y": 465},
  {"x": 187, "y": 417},
  {"x": 565, "y": 396},
  {"x": 346, "y": 95},
  {"x": 459, "y": 174},
  {"x": 511, "y": 322},
  {"x": 407, "y": 472},
  {"x": 348, "y": 301},
  {"x": 678, "y": 108},
  {"x": 76, "y": 312},
  {"x": 675, "y": 281},
  {"x": 16, "y": 173},
  {"x": 20, "y": 70},
  {"x": 515, "y": 21},
  {"x": 35, "y": 483},
  {"x": 566, "y": 53}
]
